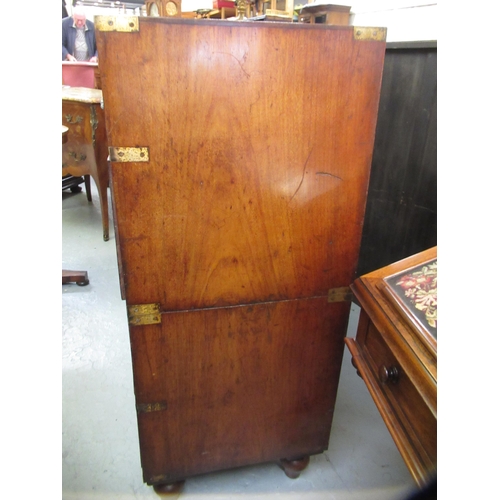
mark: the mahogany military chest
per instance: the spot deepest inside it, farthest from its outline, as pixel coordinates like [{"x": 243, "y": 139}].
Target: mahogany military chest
[{"x": 239, "y": 160}]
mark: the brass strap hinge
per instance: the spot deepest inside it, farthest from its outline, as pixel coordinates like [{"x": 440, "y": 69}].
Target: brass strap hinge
[
  {"x": 150, "y": 407},
  {"x": 124, "y": 24},
  {"x": 370, "y": 34},
  {"x": 128, "y": 155},
  {"x": 341, "y": 294},
  {"x": 144, "y": 314}
]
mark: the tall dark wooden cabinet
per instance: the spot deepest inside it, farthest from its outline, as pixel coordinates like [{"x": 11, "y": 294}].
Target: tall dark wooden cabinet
[
  {"x": 401, "y": 210},
  {"x": 240, "y": 157}
]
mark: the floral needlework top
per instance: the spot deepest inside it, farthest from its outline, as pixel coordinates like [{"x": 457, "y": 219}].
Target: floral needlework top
[{"x": 420, "y": 289}]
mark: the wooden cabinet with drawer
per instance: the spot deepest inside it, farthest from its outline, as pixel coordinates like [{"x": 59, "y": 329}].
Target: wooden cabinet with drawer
[{"x": 395, "y": 352}]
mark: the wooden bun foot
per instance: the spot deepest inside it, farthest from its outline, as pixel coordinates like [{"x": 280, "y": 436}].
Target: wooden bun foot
[
  {"x": 293, "y": 468},
  {"x": 168, "y": 488}
]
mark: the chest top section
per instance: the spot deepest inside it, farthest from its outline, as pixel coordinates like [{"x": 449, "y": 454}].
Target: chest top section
[
  {"x": 240, "y": 156},
  {"x": 131, "y": 24}
]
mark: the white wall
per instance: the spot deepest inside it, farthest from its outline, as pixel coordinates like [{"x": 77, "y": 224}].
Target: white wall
[{"x": 405, "y": 20}]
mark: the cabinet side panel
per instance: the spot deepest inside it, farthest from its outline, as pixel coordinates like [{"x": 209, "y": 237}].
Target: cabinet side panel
[
  {"x": 260, "y": 142},
  {"x": 236, "y": 386}
]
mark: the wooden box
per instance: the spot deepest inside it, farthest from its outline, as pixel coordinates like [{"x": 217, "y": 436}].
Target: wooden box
[
  {"x": 238, "y": 225},
  {"x": 395, "y": 352}
]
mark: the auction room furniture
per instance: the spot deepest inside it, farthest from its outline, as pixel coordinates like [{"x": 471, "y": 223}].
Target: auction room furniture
[
  {"x": 222, "y": 13},
  {"x": 395, "y": 352},
  {"x": 85, "y": 154},
  {"x": 79, "y": 277},
  {"x": 239, "y": 155},
  {"x": 277, "y": 10},
  {"x": 313, "y": 13},
  {"x": 163, "y": 8}
]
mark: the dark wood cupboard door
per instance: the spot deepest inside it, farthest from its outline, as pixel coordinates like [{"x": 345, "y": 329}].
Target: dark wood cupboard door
[
  {"x": 244, "y": 210},
  {"x": 401, "y": 210}
]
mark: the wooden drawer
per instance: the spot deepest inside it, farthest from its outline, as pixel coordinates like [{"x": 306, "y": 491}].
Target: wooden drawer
[{"x": 409, "y": 406}]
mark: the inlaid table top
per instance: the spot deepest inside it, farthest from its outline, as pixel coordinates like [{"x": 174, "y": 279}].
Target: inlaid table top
[{"x": 81, "y": 94}]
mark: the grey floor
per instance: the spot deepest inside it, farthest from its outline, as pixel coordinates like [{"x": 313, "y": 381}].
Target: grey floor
[{"x": 100, "y": 450}]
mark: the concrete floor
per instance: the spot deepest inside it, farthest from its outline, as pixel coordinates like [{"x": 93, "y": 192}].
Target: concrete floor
[{"x": 100, "y": 450}]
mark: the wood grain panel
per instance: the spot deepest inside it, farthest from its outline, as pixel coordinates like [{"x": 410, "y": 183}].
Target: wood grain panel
[
  {"x": 238, "y": 385},
  {"x": 259, "y": 166}
]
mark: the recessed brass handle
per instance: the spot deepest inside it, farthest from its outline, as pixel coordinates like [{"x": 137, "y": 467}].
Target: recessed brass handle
[{"x": 388, "y": 374}]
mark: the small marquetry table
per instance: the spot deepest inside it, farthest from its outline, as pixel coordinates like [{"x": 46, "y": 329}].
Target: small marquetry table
[{"x": 86, "y": 151}]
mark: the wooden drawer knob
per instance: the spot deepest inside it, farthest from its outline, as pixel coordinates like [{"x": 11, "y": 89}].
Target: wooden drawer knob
[{"x": 388, "y": 374}]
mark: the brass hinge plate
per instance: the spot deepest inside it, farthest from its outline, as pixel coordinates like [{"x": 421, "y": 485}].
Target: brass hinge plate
[
  {"x": 370, "y": 34},
  {"x": 128, "y": 155},
  {"x": 144, "y": 314},
  {"x": 341, "y": 294},
  {"x": 150, "y": 407},
  {"x": 124, "y": 24}
]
